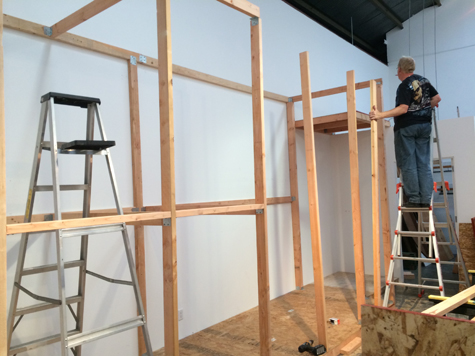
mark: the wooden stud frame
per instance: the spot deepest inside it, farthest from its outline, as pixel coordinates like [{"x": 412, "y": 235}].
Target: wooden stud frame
[{"x": 140, "y": 215}]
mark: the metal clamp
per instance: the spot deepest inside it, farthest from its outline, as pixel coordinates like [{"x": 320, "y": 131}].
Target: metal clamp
[
  {"x": 254, "y": 21},
  {"x": 133, "y": 60},
  {"x": 259, "y": 211},
  {"x": 142, "y": 59},
  {"x": 293, "y": 199},
  {"x": 290, "y": 100},
  {"x": 167, "y": 222},
  {"x": 48, "y": 31}
]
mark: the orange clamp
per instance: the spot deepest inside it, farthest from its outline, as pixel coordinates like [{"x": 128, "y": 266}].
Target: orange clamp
[
  {"x": 399, "y": 185},
  {"x": 447, "y": 185},
  {"x": 435, "y": 186}
]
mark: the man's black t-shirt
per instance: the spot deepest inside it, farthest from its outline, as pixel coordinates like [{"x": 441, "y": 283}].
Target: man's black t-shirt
[{"x": 415, "y": 92}]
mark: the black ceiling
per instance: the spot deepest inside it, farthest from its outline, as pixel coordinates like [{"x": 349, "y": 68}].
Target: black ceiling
[{"x": 362, "y": 22}]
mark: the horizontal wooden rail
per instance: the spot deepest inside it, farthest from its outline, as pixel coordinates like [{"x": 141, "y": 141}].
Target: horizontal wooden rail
[
  {"x": 218, "y": 210},
  {"x": 33, "y": 28},
  {"x": 337, "y": 90},
  {"x": 243, "y": 6}
]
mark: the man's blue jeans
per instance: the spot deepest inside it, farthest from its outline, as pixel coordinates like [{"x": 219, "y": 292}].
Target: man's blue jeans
[{"x": 412, "y": 146}]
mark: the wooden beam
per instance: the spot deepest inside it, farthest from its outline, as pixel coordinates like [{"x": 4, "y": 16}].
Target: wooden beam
[
  {"x": 336, "y": 351},
  {"x": 375, "y": 201},
  {"x": 3, "y": 206},
  {"x": 333, "y": 118},
  {"x": 313, "y": 200},
  {"x": 351, "y": 346},
  {"x": 80, "y": 16},
  {"x": 218, "y": 210},
  {"x": 355, "y": 191},
  {"x": 137, "y": 186},
  {"x": 332, "y": 91},
  {"x": 260, "y": 186},
  {"x": 70, "y": 223},
  {"x": 294, "y": 191},
  {"x": 452, "y": 303},
  {"x": 99, "y": 47},
  {"x": 383, "y": 189},
  {"x": 167, "y": 152},
  {"x": 243, "y": 6}
]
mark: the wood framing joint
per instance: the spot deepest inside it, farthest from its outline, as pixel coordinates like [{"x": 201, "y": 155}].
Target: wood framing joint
[
  {"x": 142, "y": 59},
  {"x": 259, "y": 211},
  {"x": 133, "y": 60},
  {"x": 167, "y": 222},
  {"x": 254, "y": 21},
  {"x": 48, "y": 31},
  {"x": 291, "y": 100},
  {"x": 294, "y": 199}
]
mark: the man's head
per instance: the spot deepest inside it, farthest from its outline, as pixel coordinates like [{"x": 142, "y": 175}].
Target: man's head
[{"x": 405, "y": 67}]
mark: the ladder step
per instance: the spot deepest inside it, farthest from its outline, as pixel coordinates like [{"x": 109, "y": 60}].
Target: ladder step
[
  {"x": 97, "y": 334},
  {"x": 413, "y": 285},
  {"x": 89, "y": 150},
  {"x": 71, "y": 100},
  {"x": 429, "y": 260},
  {"x": 437, "y": 225},
  {"x": 45, "y": 306},
  {"x": 440, "y": 243},
  {"x": 439, "y": 205},
  {"x": 37, "y": 343},
  {"x": 51, "y": 267},
  {"x": 49, "y": 188},
  {"x": 91, "y": 230},
  {"x": 415, "y": 233},
  {"x": 414, "y": 210},
  {"x": 444, "y": 280}
]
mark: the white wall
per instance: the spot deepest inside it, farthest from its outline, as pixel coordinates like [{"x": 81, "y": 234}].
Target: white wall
[
  {"x": 448, "y": 31},
  {"x": 213, "y": 136}
]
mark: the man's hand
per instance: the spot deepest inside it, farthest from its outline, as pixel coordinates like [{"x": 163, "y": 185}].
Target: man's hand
[{"x": 375, "y": 114}]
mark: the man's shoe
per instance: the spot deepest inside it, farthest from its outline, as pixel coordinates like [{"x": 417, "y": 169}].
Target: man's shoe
[{"x": 411, "y": 204}]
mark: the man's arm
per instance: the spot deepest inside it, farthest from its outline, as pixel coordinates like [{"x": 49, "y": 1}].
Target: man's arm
[
  {"x": 397, "y": 111},
  {"x": 435, "y": 100}
]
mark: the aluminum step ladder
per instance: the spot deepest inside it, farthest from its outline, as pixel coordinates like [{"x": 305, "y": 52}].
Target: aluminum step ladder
[
  {"x": 71, "y": 339},
  {"x": 426, "y": 234}
]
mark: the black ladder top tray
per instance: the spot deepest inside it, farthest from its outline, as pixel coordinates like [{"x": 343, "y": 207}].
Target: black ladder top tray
[
  {"x": 71, "y": 100},
  {"x": 87, "y": 145}
]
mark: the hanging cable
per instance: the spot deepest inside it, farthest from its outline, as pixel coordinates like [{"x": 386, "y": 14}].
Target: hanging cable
[
  {"x": 409, "y": 41},
  {"x": 423, "y": 38},
  {"x": 435, "y": 53}
]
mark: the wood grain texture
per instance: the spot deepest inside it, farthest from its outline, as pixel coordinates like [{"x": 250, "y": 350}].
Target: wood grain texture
[
  {"x": 383, "y": 190},
  {"x": 355, "y": 190},
  {"x": 337, "y": 90},
  {"x": 167, "y": 153},
  {"x": 403, "y": 333},
  {"x": 313, "y": 199},
  {"x": 80, "y": 16},
  {"x": 450, "y": 304},
  {"x": 260, "y": 187},
  {"x": 137, "y": 187},
  {"x": 467, "y": 247},
  {"x": 3, "y": 206},
  {"x": 351, "y": 346},
  {"x": 375, "y": 200},
  {"x": 294, "y": 192},
  {"x": 103, "y": 48},
  {"x": 243, "y": 6}
]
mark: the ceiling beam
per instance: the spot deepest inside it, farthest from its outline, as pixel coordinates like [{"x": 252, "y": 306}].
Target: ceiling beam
[
  {"x": 390, "y": 14},
  {"x": 325, "y": 20},
  {"x": 80, "y": 16}
]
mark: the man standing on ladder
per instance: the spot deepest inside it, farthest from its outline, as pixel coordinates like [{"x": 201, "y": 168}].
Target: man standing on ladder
[{"x": 415, "y": 99}]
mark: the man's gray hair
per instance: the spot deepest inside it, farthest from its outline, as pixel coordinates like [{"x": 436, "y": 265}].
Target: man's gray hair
[{"x": 407, "y": 64}]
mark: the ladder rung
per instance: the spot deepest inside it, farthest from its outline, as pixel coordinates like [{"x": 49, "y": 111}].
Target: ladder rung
[
  {"x": 450, "y": 263},
  {"x": 104, "y": 332},
  {"x": 37, "y": 343},
  {"x": 91, "y": 230},
  {"x": 439, "y": 243},
  {"x": 46, "y": 145},
  {"x": 445, "y": 281},
  {"x": 414, "y": 210},
  {"x": 437, "y": 225},
  {"x": 413, "y": 285},
  {"x": 438, "y": 205},
  {"x": 430, "y": 260},
  {"x": 49, "y": 188},
  {"x": 415, "y": 233},
  {"x": 45, "y": 306},
  {"x": 51, "y": 267}
]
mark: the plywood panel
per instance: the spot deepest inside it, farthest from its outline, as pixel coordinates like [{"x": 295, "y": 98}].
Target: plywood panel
[{"x": 467, "y": 246}]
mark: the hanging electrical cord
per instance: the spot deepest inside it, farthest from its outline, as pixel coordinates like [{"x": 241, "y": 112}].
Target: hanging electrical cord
[
  {"x": 409, "y": 41},
  {"x": 435, "y": 53},
  {"x": 423, "y": 38}
]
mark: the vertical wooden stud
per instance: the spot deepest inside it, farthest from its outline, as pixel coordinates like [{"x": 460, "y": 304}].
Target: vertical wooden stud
[
  {"x": 375, "y": 201},
  {"x": 313, "y": 199},
  {"x": 294, "y": 192},
  {"x": 137, "y": 190},
  {"x": 260, "y": 185},
  {"x": 167, "y": 151},
  {"x": 3, "y": 207},
  {"x": 383, "y": 188},
  {"x": 355, "y": 190}
]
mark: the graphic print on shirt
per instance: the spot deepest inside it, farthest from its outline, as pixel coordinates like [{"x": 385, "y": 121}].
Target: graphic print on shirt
[{"x": 420, "y": 105}]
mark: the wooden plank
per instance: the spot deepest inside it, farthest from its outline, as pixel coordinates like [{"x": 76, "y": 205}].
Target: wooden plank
[
  {"x": 83, "y": 14},
  {"x": 387, "y": 331},
  {"x": 294, "y": 191},
  {"x": 351, "y": 346},
  {"x": 375, "y": 200},
  {"x": 337, "y": 90},
  {"x": 337, "y": 350},
  {"x": 243, "y": 6},
  {"x": 450, "y": 304},
  {"x": 70, "y": 223},
  {"x": 334, "y": 119},
  {"x": 355, "y": 191},
  {"x": 137, "y": 186},
  {"x": 103, "y": 48},
  {"x": 313, "y": 200},
  {"x": 218, "y": 210},
  {"x": 3, "y": 205},
  {"x": 167, "y": 152},
  {"x": 383, "y": 190},
  {"x": 260, "y": 186}
]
